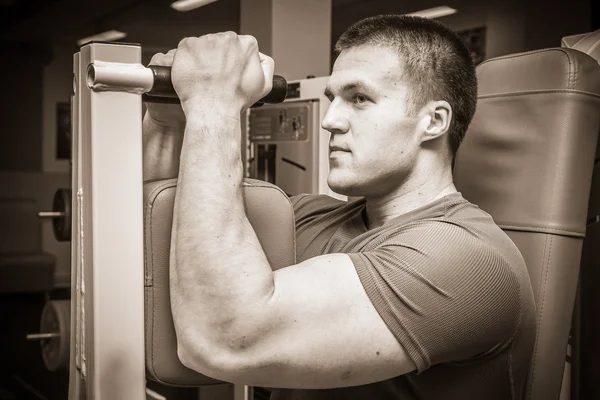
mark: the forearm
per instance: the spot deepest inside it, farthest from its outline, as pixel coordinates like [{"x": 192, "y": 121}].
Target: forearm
[
  {"x": 219, "y": 272},
  {"x": 161, "y": 146}
]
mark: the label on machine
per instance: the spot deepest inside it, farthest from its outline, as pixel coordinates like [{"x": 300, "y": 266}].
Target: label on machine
[{"x": 280, "y": 122}]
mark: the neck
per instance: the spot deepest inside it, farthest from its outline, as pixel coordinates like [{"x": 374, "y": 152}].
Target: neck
[{"x": 407, "y": 197}]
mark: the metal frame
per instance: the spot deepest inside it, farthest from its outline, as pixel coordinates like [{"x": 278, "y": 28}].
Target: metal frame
[
  {"x": 313, "y": 88},
  {"x": 107, "y": 297},
  {"x": 107, "y": 359},
  {"x": 309, "y": 90}
]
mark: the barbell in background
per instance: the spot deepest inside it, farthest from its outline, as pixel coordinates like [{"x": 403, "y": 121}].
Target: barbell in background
[
  {"x": 60, "y": 215},
  {"x": 55, "y": 335}
]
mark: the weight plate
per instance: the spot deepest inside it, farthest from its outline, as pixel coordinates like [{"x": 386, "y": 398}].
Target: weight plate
[
  {"x": 62, "y": 225},
  {"x": 56, "y": 318}
]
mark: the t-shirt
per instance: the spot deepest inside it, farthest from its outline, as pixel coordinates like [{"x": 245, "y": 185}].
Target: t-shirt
[{"x": 450, "y": 285}]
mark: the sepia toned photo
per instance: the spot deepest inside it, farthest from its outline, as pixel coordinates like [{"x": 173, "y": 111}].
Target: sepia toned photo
[{"x": 300, "y": 200}]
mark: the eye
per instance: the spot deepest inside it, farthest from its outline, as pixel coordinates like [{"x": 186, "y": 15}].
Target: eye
[{"x": 359, "y": 99}]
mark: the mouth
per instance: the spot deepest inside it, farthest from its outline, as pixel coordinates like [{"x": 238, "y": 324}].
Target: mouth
[{"x": 335, "y": 148}]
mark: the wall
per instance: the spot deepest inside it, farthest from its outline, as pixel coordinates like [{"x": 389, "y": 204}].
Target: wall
[
  {"x": 158, "y": 28},
  {"x": 549, "y": 21},
  {"x": 56, "y": 87},
  {"x": 21, "y": 74},
  {"x": 39, "y": 188},
  {"x": 29, "y": 171},
  {"x": 512, "y": 26}
]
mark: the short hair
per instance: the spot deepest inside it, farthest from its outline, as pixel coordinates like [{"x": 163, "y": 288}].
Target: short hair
[{"x": 435, "y": 60}]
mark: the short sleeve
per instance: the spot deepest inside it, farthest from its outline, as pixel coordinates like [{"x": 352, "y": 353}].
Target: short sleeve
[
  {"x": 443, "y": 292},
  {"x": 309, "y": 206},
  {"x": 298, "y": 199}
]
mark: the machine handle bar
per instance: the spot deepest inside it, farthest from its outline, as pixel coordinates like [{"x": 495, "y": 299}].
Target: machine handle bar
[
  {"x": 154, "y": 82},
  {"x": 163, "y": 92}
]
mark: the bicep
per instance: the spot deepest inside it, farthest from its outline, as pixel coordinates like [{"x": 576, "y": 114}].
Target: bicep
[
  {"x": 428, "y": 302},
  {"x": 322, "y": 331}
]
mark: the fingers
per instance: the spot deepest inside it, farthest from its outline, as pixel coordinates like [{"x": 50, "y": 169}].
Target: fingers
[
  {"x": 267, "y": 64},
  {"x": 249, "y": 42},
  {"x": 221, "y": 61},
  {"x": 268, "y": 67},
  {"x": 163, "y": 59}
]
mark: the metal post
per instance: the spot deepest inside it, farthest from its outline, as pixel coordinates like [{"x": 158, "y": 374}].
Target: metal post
[
  {"x": 107, "y": 331},
  {"x": 242, "y": 392},
  {"x": 75, "y": 374}
]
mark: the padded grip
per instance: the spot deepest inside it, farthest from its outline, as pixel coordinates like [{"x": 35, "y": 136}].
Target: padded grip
[
  {"x": 163, "y": 92},
  {"x": 163, "y": 86},
  {"x": 271, "y": 215}
]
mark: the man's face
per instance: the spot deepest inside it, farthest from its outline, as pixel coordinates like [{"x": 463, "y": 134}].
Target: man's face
[{"x": 373, "y": 144}]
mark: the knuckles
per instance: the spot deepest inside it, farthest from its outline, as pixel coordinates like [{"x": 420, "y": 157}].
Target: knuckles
[
  {"x": 162, "y": 58},
  {"x": 181, "y": 42},
  {"x": 229, "y": 35},
  {"x": 228, "y": 48},
  {"x": 219, "y": 40},
  {"x": 249, "y": 42}
]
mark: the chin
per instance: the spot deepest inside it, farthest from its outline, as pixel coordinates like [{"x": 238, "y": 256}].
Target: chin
[{"x": 345, "y": 187}]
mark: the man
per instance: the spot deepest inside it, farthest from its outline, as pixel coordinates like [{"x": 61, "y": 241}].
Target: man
[{"x": 411, "y": 292}]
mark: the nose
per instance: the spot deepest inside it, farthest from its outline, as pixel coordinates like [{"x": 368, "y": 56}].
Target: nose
[{"x": 335, "y": 120}]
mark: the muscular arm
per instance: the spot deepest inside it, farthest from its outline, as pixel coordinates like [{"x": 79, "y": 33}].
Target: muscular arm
[
  {"x": 306, "y": 326},
  {"x": 217, "y": 263}
]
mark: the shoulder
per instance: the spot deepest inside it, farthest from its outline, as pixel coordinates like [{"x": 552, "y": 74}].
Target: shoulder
[
  {"x": 441, "y": 279},
  {"x": 440, "y": 242},
  {"x": 469, "y": 259},
  {"x": 310, "y": 204},
  {"x": 313, "y": 200}
]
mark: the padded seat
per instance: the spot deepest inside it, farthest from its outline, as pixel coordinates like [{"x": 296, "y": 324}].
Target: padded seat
[
  {"x": 584, "y": 341},
  {"x": 271, "y": 215},
  {"x": 527, "y": 160}
]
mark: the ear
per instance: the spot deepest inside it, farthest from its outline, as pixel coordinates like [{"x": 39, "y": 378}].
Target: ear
[{"x": 439, "y": 116}]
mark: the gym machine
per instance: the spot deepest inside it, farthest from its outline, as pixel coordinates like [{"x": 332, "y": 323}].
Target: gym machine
[
  {"x": 98, "y": 335},
  {"x": 286, "y": 144}
]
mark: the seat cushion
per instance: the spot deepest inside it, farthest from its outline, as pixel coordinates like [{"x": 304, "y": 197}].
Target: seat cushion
[
  {"x": 527, "y": 160},
  {"x": 271, "y": 215}
]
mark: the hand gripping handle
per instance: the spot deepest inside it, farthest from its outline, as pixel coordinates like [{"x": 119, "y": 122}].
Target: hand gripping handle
[{"x": 163, "y": 92}]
